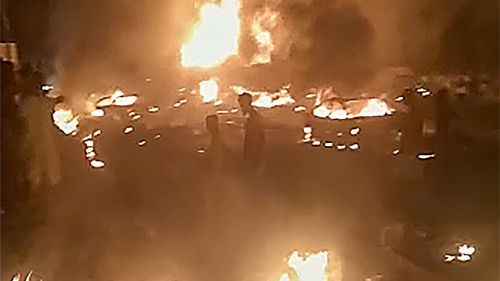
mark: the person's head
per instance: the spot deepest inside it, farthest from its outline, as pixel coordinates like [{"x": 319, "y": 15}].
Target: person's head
[
  {"x": 212, "y": 124},
  {"x": 245, "y": 101}
]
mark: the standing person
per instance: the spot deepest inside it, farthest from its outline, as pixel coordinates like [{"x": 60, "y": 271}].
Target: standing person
[
  {"x": 255, "y": 140},
  {"x": 217, "y": 150}
]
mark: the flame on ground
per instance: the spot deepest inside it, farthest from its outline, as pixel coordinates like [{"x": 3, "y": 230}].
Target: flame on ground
[
  {"x": 336, "y": 110},
  {"x": 209, "y": 90},
  {"x": 65, "y": 120},
  {"x": 311, "y": 267},
  {"x": 215, "y": 36},
  {"x": 262, "y": 24},
  {"x": 268, "y": 99}
]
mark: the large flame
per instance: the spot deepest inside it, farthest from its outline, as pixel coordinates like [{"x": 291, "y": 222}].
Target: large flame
[
  {"x": 209, "y": 90},
  {"x": 215, "y": 37},
  {"x": 262, "y": 24},
  {"x": 309, "y": 267}
]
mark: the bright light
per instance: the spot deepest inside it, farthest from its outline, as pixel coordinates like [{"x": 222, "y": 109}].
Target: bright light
[
  {"x": 466, "y": 250},
  {"x": 209, "y": 90},
  {"x": 153, "y": 109},
  {"x": 125, "y": 100},
  {"x": 262, "y": 24},
  {"x": 97, "y": 113},
  {"x": 97, "y": 164},
  {"x": 310, "y": 267},
  {"x": 354, "y": 131},
  {"x": 354, "y": 146},
  {"x": 141, "y": 142},
  {"x": 215, "y": 37},
  {"x": 426, "y": 156},
  {"x": 128, "y": 130},
  {"x": 65, "y": 120}
]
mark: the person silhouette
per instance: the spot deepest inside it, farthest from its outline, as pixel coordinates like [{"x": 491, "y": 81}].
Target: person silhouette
[{"x": 255, "y": 140}]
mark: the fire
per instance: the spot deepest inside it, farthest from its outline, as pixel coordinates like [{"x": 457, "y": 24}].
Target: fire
[
  {"x": 209, "y": 90},
  {"x": 65, "y": 120},
  {"x": 215, "y": 37},
  {"x": 351, "y": 109},
  {"x": 262, "y": 23},
  {"x": 375, "y": 107},
  {"x": 268, "y": 99},
  {"x": 310, "y": 267}
]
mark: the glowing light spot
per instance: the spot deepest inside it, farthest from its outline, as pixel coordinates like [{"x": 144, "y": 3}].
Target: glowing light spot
[
  {"x": 125, "y": 100},
  {"x": 128, "y": 130},
  {"x": 153, "y": 109},
  {"x": 354, "y": 131},
  {"x": 97, "y": 133},
  {"x": 328, "y": 144},
  {"x": 136, "y": 117},
  {"x": 209, "y": 90},
  {"x": 97, "y": 113},
  {"x": 97, "y": 164},
  {"x": 354, "y": 146},
  {"x": 141, "y": 142},
  {"x": 426, "y": 156}
]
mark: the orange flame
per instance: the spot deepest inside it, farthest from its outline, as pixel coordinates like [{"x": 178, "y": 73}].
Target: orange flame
[
  {"x": 215, "y": 37},
  {"x": 263, "y": 22}
]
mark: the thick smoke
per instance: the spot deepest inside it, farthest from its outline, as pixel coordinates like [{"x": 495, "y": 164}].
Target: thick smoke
[{"x": 97, "y": 44}]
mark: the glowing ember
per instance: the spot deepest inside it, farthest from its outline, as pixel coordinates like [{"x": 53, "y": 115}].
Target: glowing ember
[
  {"x": 354, "y": 146},
  {"x": 141, "y": 142},
  {"x": 90, "y": 155},
  {"x": 88, "y": 143},
  {"x": 153, "y": 109},
  {"x": 97, "y": 133},
  {"x": 299, "y": 108},
  {"x": 128, "y": 130},
  {"x": 97, "y": 164},
  {"x": 400, "y": 98},
  {"x": 268, "y": 99},
  {"x": 215, "y": 37},
  {"x": 65, "y": 121},
  {"x": 328, "y": 144},
  {"x": 355, "y": 131},
  {"x": 307, "y": 134},
  {"x": 125, "y": 100},
  {"x": 222, "y": 111},
  {"x": 341, "y": 146},
  {"x": 234, "y": 110},
  {"x": 97, "y": 113},
  {"x": 131, "y": 113},
  {"x": 352, "y": 109},
  {"x": 426, "y": 156},
  {"x": 424, "y": 92},
  {"x": 464, "y": 258},
  {"x": 449, "y": 258},
  {"x": 136, "y": 117},
  {"x": 466, "y": 250},
  {"x": 47, "y": 88},
  {"x": 89, "y": 149},
  {"x": 201, "y": 150},
  {"x": 157, "y": 136},
  {"x": 310, "y": 267},
  {"x": 395, "y": 152},
  {"x": 262, "y": 24},
  {"x": 316, "y": 143},
  {"x": 209, "y": 90},
  {"x": 375, "y": 107}
]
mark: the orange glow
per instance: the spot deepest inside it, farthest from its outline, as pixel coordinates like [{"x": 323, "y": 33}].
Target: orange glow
[
  {"x": 209, "y": 90},
  {"x": 311, "y": 267},
  {"x": 262, "y": 24},
  {"x": 268, "y": 99},
  {"x": 214, "y": 37}
]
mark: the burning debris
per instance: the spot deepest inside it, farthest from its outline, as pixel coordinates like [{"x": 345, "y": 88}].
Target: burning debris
[
  {"x": 312, "y": 267},
  {"x": 463, "y": 254},
  {"x": 153, "y": 109},
  {"x": 209, "y": 90},
  {"x": 214, "y": 37},
  {"x": 97, "y": 164},
  {"x": 268, "y": 99},
  {"x": 262, "y": 24},
  {"x": 65, "y": 120}
]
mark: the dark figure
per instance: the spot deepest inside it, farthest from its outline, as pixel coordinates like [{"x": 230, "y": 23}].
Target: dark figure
[
  {"x": 217, "y": 151},
  {"x": 254, "y": 133}
]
